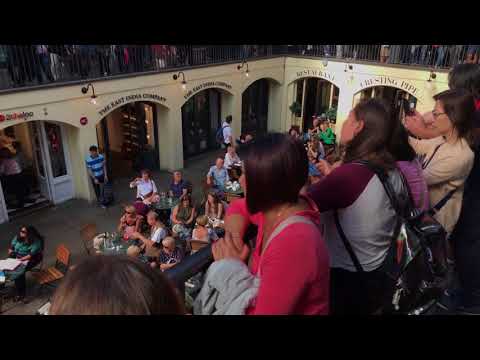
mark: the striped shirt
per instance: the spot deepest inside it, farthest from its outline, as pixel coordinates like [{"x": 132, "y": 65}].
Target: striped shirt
[{"x": 96, "y": 165}]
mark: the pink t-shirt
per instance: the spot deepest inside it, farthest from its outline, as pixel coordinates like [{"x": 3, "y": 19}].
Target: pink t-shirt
[
  {"x": 295, "y": 266},
  {"x": 412, "y": 170}
]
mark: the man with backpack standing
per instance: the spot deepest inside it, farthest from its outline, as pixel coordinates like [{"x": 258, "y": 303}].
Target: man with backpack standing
[{"x": 225, "y": 133}]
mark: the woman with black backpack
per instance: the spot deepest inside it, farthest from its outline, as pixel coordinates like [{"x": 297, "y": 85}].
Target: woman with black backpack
[{"x": 358, "y": 218}]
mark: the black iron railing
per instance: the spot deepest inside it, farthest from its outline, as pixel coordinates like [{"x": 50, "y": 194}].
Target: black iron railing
[{"x": 23, "y": 66}]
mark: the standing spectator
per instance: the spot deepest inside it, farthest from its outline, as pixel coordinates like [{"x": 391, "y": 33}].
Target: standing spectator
[
  {"x": 352, "y": 196},
  {"x": 290, "y": 257},
  {"x": 13, "y": 179},
  {"x": 160, "y": 52},
  {"x": 217, "y": 175},
  {"x": 384, "y": 53},
  {"x": 472, "y": 54},
  {"x": 439, "y": 55},
  {"x": 394, "y": 57},
  {"x": 227, "y": 131},
  {"x": 43, "y": 63},
  {"x": 97, "y": 170},
  {"x": 103, "y": 56}
]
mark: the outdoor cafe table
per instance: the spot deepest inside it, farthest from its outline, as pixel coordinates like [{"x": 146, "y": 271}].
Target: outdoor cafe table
[{"x": 164, "y": 207}]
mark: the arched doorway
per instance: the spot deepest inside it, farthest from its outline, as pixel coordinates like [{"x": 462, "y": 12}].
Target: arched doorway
[
  {"x": 201, "y": 117},
  {"x": 315, "y": 96},
  {"x": 392, "y": 97},
  {"x": 255, "y": 108},
  {"x": 35, "y": 167},
  {"x": 128, "y": 137}
]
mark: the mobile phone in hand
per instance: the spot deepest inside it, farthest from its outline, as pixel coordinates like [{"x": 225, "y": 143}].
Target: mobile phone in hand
[{"x": 408, "y": 107}]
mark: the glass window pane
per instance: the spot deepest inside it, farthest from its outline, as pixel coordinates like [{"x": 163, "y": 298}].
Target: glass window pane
[{"x": 55, "y": 149}]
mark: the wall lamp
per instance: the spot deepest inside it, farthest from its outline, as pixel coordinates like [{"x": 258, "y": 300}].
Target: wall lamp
[
  {"x": 184, "y": 83},
  {"x": 93, "y": 98},
  {"x": 244, "y": 62},
  {"x": 433, "y": 76}
]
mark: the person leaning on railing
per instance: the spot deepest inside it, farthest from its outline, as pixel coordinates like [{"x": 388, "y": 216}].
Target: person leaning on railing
[{"x": 290, "y": 257}]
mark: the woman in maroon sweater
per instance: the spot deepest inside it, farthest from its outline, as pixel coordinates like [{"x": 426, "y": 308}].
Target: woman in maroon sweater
[{"x": 293, "y": 266}]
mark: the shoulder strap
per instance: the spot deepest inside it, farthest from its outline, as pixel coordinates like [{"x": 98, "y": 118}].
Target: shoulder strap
[
  {"x": 294, "y": 219},
  {"x": 441, "y": 203},
  {"x": 425, "y": 164},
  {"x": 347, "y": 244}
]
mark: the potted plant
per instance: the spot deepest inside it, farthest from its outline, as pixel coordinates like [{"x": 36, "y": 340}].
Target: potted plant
[{"x": 296, "y": 109}]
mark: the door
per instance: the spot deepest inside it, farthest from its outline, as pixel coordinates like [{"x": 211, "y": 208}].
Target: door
[
  {"x": 57, "y": 163},
  {"x": 39, "y": 158}
]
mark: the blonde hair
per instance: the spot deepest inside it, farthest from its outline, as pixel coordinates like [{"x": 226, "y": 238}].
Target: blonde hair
[
  {"x": 133, "y": 251},
  {"x": 167, "y": 241},
  {"x": 202, "y": 220},
  {"x": 131, "y": 208}
]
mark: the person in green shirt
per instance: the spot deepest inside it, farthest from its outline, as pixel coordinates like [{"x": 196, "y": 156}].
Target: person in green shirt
[
  {"x": 26, "y": 246},
  {"x": 327, "y": 136}
]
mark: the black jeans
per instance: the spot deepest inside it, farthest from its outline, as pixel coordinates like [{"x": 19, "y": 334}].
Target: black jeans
[
  {"x": 16, "y": 184},
  {"x": 98, "y": 188},
  {"x": 352, "y": 293}
]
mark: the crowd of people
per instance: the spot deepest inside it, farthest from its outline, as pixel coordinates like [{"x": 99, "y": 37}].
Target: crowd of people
[{"x": 322, "y": 240}]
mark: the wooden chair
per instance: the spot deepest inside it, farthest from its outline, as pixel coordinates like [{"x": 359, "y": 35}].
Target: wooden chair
[
  {"x": 54, "y": 273},
  {"x": 88, "y": 232}
]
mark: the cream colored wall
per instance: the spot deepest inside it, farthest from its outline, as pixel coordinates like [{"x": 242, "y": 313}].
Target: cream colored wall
[{"x": 68, "y": 105}]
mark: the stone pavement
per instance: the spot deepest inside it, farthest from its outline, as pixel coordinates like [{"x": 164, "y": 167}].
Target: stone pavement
[{"x": 62, "y": 223}]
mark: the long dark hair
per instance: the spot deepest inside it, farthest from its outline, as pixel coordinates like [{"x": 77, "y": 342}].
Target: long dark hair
[
  {"x": 32, "y": 235},
  {"x": 372, "y": 142},
  {"x": 399, "y": 146},
  {"x": 115, "y": 285},
  {"x": 276, "y": 168}
]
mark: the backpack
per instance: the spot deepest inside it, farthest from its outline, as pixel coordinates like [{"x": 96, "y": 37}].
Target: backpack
[
  {"x": 219, "y": 135},
  {"x": 416, "y": 260}
]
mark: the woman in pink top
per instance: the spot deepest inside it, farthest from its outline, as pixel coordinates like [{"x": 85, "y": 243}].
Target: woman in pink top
[
  {"x": 293, "y": 266},
  {"x": 408, "y": 163}
]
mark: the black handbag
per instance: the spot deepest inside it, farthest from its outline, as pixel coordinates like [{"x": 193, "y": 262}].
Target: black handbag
[{"x": 416, "y": 260}]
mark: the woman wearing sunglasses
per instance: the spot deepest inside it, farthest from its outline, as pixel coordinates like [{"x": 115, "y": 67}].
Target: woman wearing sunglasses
[
  {"x": 27, "y": 246},
  {"x": 130, "y": 222}
]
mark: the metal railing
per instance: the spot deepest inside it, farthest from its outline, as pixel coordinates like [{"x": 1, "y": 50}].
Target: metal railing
[{"x": 25, "y": 66}]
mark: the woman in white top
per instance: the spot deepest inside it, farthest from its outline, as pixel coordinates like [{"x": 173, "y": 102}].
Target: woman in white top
[
  {"x": 146, "y": 188},
  {"x": 158, "y": 232},
  {"x": 231, "y": 157},
  {"x": 201, "y": 232}
]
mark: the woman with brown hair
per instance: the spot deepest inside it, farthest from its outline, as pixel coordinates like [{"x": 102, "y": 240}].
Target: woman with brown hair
[
  {"x": 184, "y": 212},
  {"x": 115, "y": 285},
  {"x": 214, "y": 206},
  {"x": 352, "y": 195},
  {"x": 130, "y": 222}
]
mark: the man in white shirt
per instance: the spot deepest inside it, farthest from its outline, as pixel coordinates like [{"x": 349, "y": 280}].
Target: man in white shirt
[{"x": 227, "y": 131}]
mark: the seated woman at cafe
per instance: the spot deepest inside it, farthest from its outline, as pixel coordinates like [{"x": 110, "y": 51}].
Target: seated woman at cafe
[
  {"x": 120, "y": 285},
  {"x": 158, "y": 231},
  {"x": 214, "y": 206},
  {"x": 316, "y": 149},
  {"x": 130, "y": 222},
  {"x": 231, "y": 157},
  {"x": 184, "y": 212},
  {"x": 201, "y": 232},
  {"x": 146, "y": 188},
  {"x": 27, "y": 245},
  {"x": 170, "y": 255}
]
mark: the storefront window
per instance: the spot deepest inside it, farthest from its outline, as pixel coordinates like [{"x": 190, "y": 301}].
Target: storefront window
[
  {"x": 255, "y": 108},
  {"x": 55, "y": 149}
]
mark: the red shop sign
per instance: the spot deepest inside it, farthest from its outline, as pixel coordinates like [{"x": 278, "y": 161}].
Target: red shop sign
[{"x": 16, "y": 116}]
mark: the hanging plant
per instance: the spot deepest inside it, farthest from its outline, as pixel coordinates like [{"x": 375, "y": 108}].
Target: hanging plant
[
  {"x": 332, "y": 114},
  {"x": 296, "y": 108}
]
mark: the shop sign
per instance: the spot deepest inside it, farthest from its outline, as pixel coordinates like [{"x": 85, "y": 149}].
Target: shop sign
[
  {"x": 16, "y": 116},
  {"x": 316, "y": 73},
  {"x": 388, "y": 81},
  {"x": 83, "y": 121},
  {"x": 208, "y": 84},
  {"x": 130, "y": 98}
]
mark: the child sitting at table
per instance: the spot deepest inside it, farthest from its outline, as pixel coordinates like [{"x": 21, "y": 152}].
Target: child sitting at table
[{"x": 130, "y": 222}]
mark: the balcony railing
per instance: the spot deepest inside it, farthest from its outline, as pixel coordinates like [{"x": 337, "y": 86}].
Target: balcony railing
[{"x": 25, "y": 66}]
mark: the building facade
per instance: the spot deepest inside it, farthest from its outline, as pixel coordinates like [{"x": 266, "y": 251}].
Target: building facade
[{"x": 56, "y": 125}]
